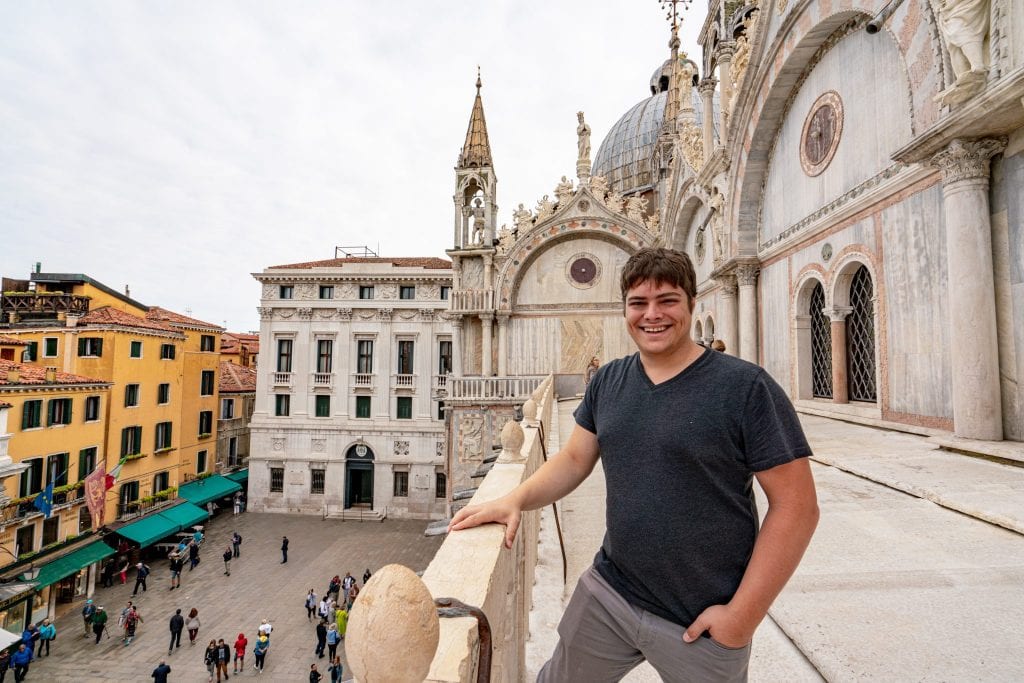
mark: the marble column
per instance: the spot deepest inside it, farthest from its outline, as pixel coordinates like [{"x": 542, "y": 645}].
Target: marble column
[
  {"x": 726, "y": 49},
  {"x": 486, "y": 325},
  {"x": 707, "y": 98},
  {"x": 456, "y": 346},
  {"x": 977, "y": 407},
  {"x": 457, "y": 237},
  {"x": 840, "y": 382},
  {"x": 488, "y": 271},
  {"x": 456, "y": 274},
  {"x": 502, "y": 345},
  {"x": 746, "y": 278},
  {"x": 727, "y": 314}
]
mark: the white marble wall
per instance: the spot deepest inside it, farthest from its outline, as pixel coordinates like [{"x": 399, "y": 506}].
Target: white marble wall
[
  {"x": 876, "y": 103},
  {"x": 775, "y": 323},
  {"x": 918, "y": 321},
  {"x": 546, "y": 280},
  {"x": 537, "y": 346}
]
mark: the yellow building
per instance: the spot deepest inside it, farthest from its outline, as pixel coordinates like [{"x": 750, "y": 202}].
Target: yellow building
[
  {"x": 162, "y": 366},
  {"x": 55, "y": 431}
]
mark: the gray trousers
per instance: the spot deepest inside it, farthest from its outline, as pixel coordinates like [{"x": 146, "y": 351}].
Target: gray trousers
[{"x": 602, "y": 637}]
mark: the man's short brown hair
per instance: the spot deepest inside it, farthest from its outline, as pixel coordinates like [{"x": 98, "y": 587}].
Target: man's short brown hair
[{"x": 661, "y": 266}]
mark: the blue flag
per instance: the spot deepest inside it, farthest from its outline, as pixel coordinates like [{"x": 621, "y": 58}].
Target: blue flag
[{"x": 44, "y": 501}]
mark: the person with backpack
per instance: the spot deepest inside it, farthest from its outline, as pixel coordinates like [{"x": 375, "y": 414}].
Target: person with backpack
[
  {"x": 259, "y": 651},
  {"x": 236, "y": 541},
  {"x": 142, "y": 571},
  {"x": 88, "y": 610}
]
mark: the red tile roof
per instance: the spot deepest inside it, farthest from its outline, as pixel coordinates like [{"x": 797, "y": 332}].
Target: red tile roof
[
  {"x": 429, "y": 262},
  {"x": 232, "y": 342},
  {"x": 36, "y": 374},
  {"x": 235, "y": 378},
  {"x": 105, "y": 315},
  {"x": 11, "y": 341},
  {"x": 170, "y": 317}
]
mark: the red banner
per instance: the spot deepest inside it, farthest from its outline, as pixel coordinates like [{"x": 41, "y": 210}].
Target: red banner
[{"x": 96, "y": 494}]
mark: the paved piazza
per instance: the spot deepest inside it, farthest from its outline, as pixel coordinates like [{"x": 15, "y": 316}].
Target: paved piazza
[{"x": 259, "y": 587}]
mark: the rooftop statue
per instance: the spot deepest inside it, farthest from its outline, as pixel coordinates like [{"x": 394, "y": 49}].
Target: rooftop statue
[
  {"x": 965, "y": 27},
  {"x": 583, "y": 137},
  {"x": 522, "y": 219},
  {"x": 563, "y": 191}
]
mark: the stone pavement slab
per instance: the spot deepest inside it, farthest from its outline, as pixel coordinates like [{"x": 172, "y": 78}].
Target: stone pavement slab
[{"x": 259, "y": 587}]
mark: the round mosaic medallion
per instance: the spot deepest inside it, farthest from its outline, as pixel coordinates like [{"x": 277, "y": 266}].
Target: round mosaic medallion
[
  {"x": 583, "y": 271},
  {"x": 820, "y": 137}
]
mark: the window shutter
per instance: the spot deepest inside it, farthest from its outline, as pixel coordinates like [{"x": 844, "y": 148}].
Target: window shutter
[
  {"x": 99, "y": 347},
  {"x": 67, "y": 416},
  {"x": 81, "y": 346},
  {"x": 49, "y": 412},
  {"x": 124, "y": 441}
]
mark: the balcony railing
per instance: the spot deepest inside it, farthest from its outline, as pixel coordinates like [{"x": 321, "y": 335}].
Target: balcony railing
[
  {"x": 281, "y": 379},
  {"x": 403, "y": 381},
  {"x": 515, "y": 389},
  {"x": 138, "y": 508},
  {"x": 322, "y": 379},
  {"x": 440, "y": 382},
  {"x": 362, "y": 379},
  {"x": 28, "y": 305},
  {"x": 469, "y": 300}
]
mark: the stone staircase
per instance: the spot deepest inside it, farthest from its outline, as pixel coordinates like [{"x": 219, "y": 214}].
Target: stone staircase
[{"x": 355, "y": 514}]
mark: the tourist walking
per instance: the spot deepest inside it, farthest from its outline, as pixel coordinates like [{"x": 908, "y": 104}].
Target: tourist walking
[
  {"x": 47, "y": 632},
  {"x": 88, "y": 610},
  {"x": 99, "y": 622},
  {"x": 142, "y": 571},
  {"x": 311, "y": 603},
  {"x": 366, "y": 576},
  {"x": 284, "y": 549},
  {"x": 227, "y": 561},
  {"x": 353, "y": 593},
  {"x": 5, "y": 663},
  {"x": 240, "y": 644},
  {"x": 177, "y": 625},
  {"x": 324, "y": 608},
  {"x": 335, "y": 669},
  {"x": 314, "y": 675},
  {"x": 123, "y": 572},
  {"x": 131, "y": 622},
  {"x": 259, "y": 651},
  {"x": 160, "y": 672},
  {"x": 177, "y": 564},
  {"x": 21, "y": 659},
  {"x": 266, "y": 628},
  {"x": 321, "y": 638},
  {"x": 223, "y": 657},
  {"x": 334, "y": 587},
  {"x": 333, "y": 638},
  {"x": 107, "y": 575},
  {"x": 192, "y": 624},
  {"x": 236, "y": 542},
  {"x": 193, "y": 555},
  {"x": 210, "y": 659},
  {"x": 237, "y": 503},
  {"x": 341, "y": 620},
  {"x": 347, "y": 583}
]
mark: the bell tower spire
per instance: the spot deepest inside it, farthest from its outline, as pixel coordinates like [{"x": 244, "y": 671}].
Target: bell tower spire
[{"x": 475, "y": 183}]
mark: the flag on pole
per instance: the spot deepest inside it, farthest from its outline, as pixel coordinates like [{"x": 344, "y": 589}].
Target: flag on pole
[
  {"x": 113, "y": 474},
  {"x": 44, "y": 501},
  {"x": 96, "y": 493}
]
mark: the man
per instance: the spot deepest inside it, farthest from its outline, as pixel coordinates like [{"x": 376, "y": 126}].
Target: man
[
  {"x": 227, "y": 561},
  {"x": 236, "y": 542},
  {"x": 284, "y": 549},
  {"x": 99, "y": 622},
  {"x": 311, "y": 604},
  {"x": 177, "y": 625},
  {"x": 683, "y": 577},
  {"x": 193, "y": 555},
  {"x": 314, "y": 675},
  {"x": 223, "y": 657},
  {"x": 160, "y": 673},
  {"x": 348, "y": 582},
  {"x": 141, "y": 572},
  {"x": 321, "y": 638},
  {"x": 20, "y": 660},
  {"x": 177, "y": 564},
  {"x": 87, "y": 611}
]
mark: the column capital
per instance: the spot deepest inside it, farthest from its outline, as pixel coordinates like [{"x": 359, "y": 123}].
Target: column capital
[
  {"x": 726, "y": 49},
  {"x": 837, "y": 314},
  {"x": 707, "y": 86},
  {"x": 967, "y": 159},
  {"x": 455, "y": 319},
  {"x": 502, "y": 319},
  {"x": 487, "y": 317},
  {"x": 728, "y": 284},
  {"x": 746, "y": 273}
]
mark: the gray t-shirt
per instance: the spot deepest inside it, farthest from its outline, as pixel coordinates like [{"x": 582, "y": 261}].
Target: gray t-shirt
[{"x": 678, "y": 459}]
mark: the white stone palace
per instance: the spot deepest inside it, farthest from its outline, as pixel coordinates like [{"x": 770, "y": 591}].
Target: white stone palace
[{"x": 355, "y": 356}]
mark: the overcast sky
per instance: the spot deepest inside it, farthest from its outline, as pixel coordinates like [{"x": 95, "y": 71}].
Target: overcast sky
[{"x": 177, "y": 147}]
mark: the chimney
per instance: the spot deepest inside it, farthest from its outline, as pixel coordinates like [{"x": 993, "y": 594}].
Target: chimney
[
  {"x": 71, "y": 319},
  {"x": 51, "y": 374},
  {"x": 127, "y": 292}
]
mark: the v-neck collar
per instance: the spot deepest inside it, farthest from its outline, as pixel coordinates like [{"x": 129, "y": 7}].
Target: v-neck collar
[{"x": 698, "y": 361}]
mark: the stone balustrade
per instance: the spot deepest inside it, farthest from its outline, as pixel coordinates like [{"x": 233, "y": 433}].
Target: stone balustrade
[
  {"x": 492, "y": 389},
  {"x": 472, "y": 300},
  {"x": 474, "y": 567}
]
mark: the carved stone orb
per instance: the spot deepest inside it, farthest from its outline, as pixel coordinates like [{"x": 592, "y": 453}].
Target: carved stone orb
[{"x": 394, "y": 614}]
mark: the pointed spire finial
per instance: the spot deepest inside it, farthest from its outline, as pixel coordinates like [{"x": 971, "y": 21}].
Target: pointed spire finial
[
  {"x": 477, "y": 149},
  {"x": 478, "y": 81}
]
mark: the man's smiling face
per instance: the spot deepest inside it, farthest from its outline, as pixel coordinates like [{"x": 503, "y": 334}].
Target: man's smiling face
[{"x": 658, "y": 317}]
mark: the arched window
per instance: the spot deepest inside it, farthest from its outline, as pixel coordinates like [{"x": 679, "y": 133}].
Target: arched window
[
  {"x": 710, "y": 327},
  {"x": 860, "y": 338},
  {"x": 698, "y": 332},
  {"x": 821, "y": 346}
]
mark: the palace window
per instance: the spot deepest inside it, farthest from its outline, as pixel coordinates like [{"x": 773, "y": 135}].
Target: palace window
[
  {"x": 276, "y": 479},
  {"x": 316, "y": 484},
  {"x": 131, "y": 441},
  {"x": 284, "y": 355},
  {"x": 57, "y": 468},
  {"x": 405, "y": 357},
  {"x": 364, "y": 356},
  {"x": 163, "y": 435},
  {"x": 821, "y": 346},
  {"x": 167, "y": 351},
  {"x": 86, "y": 461},
  {"x": 324, "y": 355},
  {"x": 59, "y": 411},
  {"x": 860, "y": 338},
  {"x": 326, "y": 291},
  {"x": 285, "y": 291},
  {"x": 445, "y": 292},
  {"x": 323, "y": 406},
  {"x": 363, "y": 406},
  {"x": 131, "y": 395},
  {"x": 365, "y": 291},
  {"x": 403, "y": 409},
  {"x": 163, "y": 393},
  {"x": 90, "y": 347},
  {"x": 282, "y": 405},
  {"x": 206, "y": 383},
  {"x": 31, "y": 478},
  {"x": 401, "y": 485},
  {"x": 444, "y": 357},
  {"x": 31, "y": 414},
  {"x": 407, "y": 292},
  {"x": 440, "y": 485},
  {"x": 206, "y": 342},
  {"x": 50, "y": 347},
  {"x": 205, "y": 422},
  {"x": 227, "y": 408},
  {"x": 92, "y": 408},
  {"x": 200, "y": 462},
  {"x": 135, "y": 349}
]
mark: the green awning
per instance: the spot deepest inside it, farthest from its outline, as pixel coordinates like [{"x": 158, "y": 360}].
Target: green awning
[
  {"x": 239, "y": 476},
  {"x": 202, "y": 491},
  {"x": 148, "y": 530},
  {"x": 61, "y": 567},
  {"x": 185, "y": 515}
]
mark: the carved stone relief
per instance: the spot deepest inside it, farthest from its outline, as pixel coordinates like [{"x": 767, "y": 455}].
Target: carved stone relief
[
  {"x": 269, "y": 291},
  {"x": 347, "y": 291},
  {"x": 470, "y": 439},
  {"x": 388, "y": 291},
  {"x": 401, "y": 448},
  {"x": 277, "y": 444},
  {"x": 472, "y": 273},
  {"x": 265, "y": 313},
  {"x": 306, "y": 291},
  {"x": 439, "y": 449},
  {"x": 345, "y": 314},
  {"x": 821, "y": 133},
  {"x": 319, "y": 445},
  {"x": 305, "y": 313}
]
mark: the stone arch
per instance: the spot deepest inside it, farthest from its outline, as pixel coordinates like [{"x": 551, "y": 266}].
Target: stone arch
[
  {"x": 761, "y": 109},
  {"x": 528, "y": 248},
  {"x": 698, "y": 331},
  {"x": 709, "y": 328},
  {"x": 852, "y": 270},
  {"x": 807, "y": 342},
  {"x": 689, "y": 207}
]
